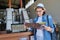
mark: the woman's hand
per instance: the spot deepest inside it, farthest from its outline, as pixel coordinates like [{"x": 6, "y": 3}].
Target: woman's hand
[{"x": 47, "y": 28}]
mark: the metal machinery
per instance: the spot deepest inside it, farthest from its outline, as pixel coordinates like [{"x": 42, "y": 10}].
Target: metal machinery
[
  {"x": 15, "y": 19},
  {"x": 2, "y": 21}
]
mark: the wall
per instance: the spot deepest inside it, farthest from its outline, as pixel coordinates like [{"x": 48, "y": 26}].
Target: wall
[{"x": 52, "y": 7}]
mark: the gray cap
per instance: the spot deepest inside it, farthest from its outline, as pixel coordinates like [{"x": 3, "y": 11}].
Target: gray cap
[{"x": 40, "y": 5}]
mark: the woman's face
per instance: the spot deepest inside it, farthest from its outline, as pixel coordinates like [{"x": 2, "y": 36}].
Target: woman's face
[{"x": 39, "y": 11}]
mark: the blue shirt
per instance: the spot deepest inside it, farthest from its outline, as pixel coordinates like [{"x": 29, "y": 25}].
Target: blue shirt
[{"x": 47, "y": 35}]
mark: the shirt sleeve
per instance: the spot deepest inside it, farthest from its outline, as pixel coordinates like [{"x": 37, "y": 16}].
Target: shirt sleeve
[{"x": 51, "y": 23}]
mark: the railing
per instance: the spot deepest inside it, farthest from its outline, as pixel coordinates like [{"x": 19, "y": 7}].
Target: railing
[{"x": 29, "y": 3}]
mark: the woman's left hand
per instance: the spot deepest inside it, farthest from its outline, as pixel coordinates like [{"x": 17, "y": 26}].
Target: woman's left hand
[{"x": 47, "y": 28}]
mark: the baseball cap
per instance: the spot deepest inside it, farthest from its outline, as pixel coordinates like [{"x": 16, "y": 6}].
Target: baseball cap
[{"x": 40, "y": 5}]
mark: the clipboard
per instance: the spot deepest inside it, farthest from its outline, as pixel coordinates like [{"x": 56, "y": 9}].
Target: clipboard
[{"x": 35, "y": 25}]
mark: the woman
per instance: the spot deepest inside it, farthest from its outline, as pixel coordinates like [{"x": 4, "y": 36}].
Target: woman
[{"x": 43, "y": 33}]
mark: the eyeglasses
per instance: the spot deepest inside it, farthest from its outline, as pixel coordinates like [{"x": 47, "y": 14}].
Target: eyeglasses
[{"x": 38, "y": 11}]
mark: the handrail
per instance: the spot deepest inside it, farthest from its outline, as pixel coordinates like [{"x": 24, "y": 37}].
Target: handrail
[{"x": 29, "y": 3}]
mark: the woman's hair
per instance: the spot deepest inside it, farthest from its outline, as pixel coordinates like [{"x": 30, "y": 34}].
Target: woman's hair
[{"x": 42, "y": 9}]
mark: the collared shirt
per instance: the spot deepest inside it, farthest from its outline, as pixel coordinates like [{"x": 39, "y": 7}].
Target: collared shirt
[{"x": 39, "y": 31}]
